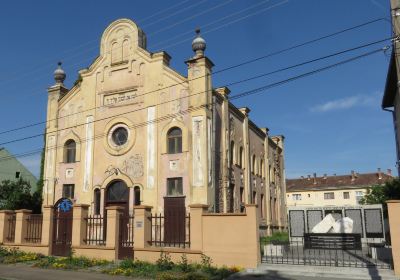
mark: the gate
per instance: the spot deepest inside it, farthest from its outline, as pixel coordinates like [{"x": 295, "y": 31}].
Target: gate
[
  {"x": 62, "y": 227},
  {"x": 125, "y": 249},
  {"x": 175, "y": 218}
]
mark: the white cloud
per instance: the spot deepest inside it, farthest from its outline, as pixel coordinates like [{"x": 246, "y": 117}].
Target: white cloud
[{"x": 347, "y": 103}]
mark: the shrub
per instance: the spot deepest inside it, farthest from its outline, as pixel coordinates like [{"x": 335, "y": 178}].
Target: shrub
[
  {"x": 164, "y": 262},
  {"x": 276, "y": 237}
]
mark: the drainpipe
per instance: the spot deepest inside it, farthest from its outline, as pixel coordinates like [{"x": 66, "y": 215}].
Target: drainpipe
[
  {"x": 397, "y": 140},
  {"x": 213, "y": 157}
]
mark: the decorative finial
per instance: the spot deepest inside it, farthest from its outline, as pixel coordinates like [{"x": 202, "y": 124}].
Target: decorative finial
[
  {"x": 198, "y": 44},
  {"x": 59, "y": 74}
]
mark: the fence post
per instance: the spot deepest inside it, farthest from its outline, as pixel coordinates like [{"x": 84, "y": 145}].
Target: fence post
[
  {"x": 47, "y": 227},
  {"x": 4, "y": 215},
  {"x": 253, "y": 223},
  {"x": 21, "y": 225},
  {"x": 142, "y": 226},
  {"x": 112, "y": 238},
  {"x": 79, "y": 214},
  {"x": 394, "y": 224},
  {"x": 196, "y": 225}
]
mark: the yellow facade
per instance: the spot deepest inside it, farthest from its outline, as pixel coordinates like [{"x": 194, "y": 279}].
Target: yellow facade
[{"x": 119, "y": 118}]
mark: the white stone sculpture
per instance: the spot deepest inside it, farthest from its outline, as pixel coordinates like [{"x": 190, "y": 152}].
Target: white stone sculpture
[
  {"x": 344, "y": 225},
  {"x": 325, "y": 225}
]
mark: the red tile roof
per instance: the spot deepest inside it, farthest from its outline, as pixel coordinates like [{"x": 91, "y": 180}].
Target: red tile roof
[{"x": 337, "y": 182}]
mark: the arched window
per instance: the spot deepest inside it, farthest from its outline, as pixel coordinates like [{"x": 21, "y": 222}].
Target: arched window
[
  {"x": 174, "y": 140},
  {"x": 262, "y": 168},
  {"x": 69, "y": 151},
  {"x": 232, "y": 153},
  {"x": 117, "y": 191},
  {"x": 96, "y": 200},
  {"x": 241, "y": 157},
  {"x": 136, "y": 190}
]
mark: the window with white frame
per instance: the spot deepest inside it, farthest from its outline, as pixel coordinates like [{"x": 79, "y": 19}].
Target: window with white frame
[
  {"x": 359, "y": 196},
  {"x": 329, "y": 195},
  {"x": 296, "y": 196}
]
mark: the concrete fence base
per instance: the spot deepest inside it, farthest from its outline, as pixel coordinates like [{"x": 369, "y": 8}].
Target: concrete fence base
[{"x": 227, "y": 239}]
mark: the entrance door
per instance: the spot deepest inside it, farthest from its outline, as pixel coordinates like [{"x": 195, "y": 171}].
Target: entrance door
[
  {"x": 62, "y": 227},
  {"x": 174, "y": 221},
  {"x": 117, "y": 194}
]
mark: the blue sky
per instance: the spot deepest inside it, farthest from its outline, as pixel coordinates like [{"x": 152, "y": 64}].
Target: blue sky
[{"x": 332, "y": 121}]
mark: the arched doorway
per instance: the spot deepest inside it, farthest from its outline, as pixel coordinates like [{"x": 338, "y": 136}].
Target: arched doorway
[
  {"x": 62, "y": 227},
  {"x": 117, "y": 194}
]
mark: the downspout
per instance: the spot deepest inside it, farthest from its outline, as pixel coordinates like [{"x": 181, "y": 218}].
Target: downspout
[
  {"x": 397, "y": 140},
  {"x": 213, "y": 152}
]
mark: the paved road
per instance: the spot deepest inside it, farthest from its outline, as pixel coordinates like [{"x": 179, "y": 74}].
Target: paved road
[{"x": 25, "y": 272}]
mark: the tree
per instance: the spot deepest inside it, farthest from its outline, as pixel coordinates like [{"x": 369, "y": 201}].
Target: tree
[
  {"x": 379, "y": 194},
  {"x": 16, "y": 195}
]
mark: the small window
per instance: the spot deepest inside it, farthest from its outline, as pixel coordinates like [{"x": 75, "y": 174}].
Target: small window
[
  {"x": 68, "y": 191},
  {"x": 254, "y": 197},
  {"x": 329, "y": 195},
  {"x": 17, "y": 174},
  {"x": 308, "y": 195},
  {"x": 96, "y": 199},
  {"x": 262, "y": 206},
  {"x": 70, "y": 151},
  {"x": 359, "y": 196},
  {"x": 241, "y": 157},
  {"x": 136, "y": 190},
  {"x": 253, "y": 165},
  {"x": 296, "y": 196},
  {"x": 174, "y": 140},
  {"x": 174, "y": 187},
  {"x": 346, "y": 195}
]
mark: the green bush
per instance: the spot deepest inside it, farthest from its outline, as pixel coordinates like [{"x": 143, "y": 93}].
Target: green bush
[
  {"x": 164, "y": 262},
  {"x": 280, "y": 236}
]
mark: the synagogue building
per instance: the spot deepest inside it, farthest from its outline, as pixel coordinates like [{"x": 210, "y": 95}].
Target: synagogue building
[{"x": 134, "y": 131}]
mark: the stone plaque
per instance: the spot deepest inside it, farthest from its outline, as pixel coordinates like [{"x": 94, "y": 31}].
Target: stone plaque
[
  {"x": 122, "y": 98},
  {"x": 69, "y": 173},
  {"x": 139, "y": 224},
  {"x": 174, "y": 165}
]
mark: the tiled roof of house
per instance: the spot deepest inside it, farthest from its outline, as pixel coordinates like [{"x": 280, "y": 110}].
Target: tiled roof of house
[{"x": 353, "y": 180}]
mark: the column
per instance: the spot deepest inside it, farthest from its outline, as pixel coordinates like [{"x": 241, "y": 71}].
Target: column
[
  {"x": 196, "y": 226},
  {"x": 102, "y": 198},
  {"x": 79, "y": 224},
  {"x": 4, "y": 215},
  {"x": 21, "y": 225},
  {"x": 47, "y": 226},
  {"x": 142, "y": 226},
  {"x": 394, "y": 224},
  {"x": 112, "y": 240}
]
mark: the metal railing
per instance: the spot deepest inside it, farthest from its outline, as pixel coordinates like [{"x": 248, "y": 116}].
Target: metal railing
[
  {"x": 11, "y": 228},
  {"x": 34, "y": 228},
  {"x": 170, "y": 231},
  {"x": 96, "y": 229},
  {"x": 126, "y": 224},
  {"x": 327, "y": 253}
]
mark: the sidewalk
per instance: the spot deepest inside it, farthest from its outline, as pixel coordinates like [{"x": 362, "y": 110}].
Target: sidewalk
[
  {"x": 24, "y": 272},
  {"x": 300, "y": 272}
]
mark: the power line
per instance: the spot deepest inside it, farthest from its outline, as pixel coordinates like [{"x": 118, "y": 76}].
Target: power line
[
  {"x": 234, "y": 83},
  {"x": 237, "y": 96},
  {"x": 177, "y": 43},
  {"x": 148, "y": 35},
  {"x": 219, "y": 71}
]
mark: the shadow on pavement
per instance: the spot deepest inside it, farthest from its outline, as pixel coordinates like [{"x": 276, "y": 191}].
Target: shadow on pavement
[{"x": 267, "y": 275}]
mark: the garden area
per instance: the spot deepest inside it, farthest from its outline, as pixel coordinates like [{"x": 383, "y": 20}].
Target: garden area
[{"x": 163, "y": 269}]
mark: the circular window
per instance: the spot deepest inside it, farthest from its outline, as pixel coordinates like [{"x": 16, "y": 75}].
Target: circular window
[{"x": 120, "y": 136}]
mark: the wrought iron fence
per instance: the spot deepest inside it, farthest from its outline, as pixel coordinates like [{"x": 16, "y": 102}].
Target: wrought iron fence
[
  {"x": 170, "y": 232},
  {"x": 11, "y": 228},
  {"x": 327, "y": 253},
  {"x": 96, "y": 229},
  {"x": 34, "y": 228}
]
